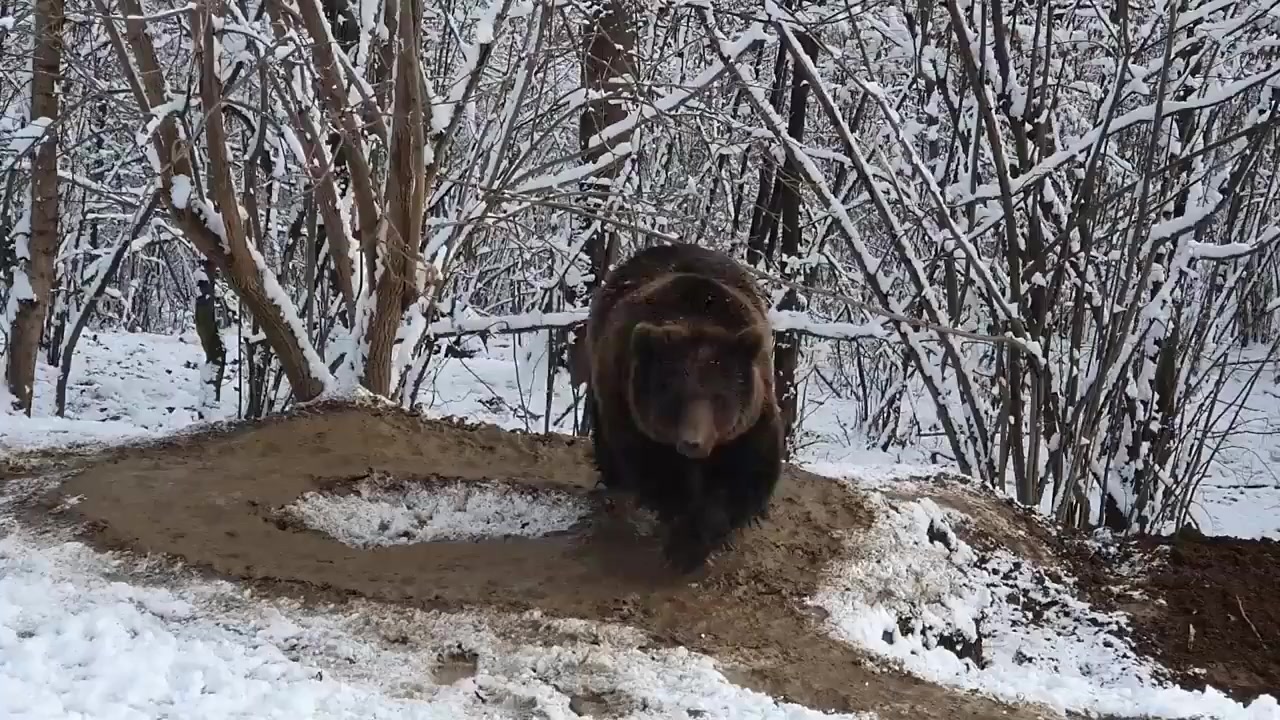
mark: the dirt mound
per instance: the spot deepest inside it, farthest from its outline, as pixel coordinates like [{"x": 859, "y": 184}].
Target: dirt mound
[
  {"x": 214, "y": 501},
  {"x": 1221, "y": 622},
  {"x": 1204, "y": 607}
]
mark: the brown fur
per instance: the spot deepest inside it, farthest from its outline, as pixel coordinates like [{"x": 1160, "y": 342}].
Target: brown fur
[{"x": 682, "y": 381}]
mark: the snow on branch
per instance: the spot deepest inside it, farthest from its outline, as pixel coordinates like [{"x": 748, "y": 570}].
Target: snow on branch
[
  {"x": 960, "y": 413},
  {"x": 667, "y": 103},
  {"x": 1133, "y": 118},
  {"x": 781, "y": 320}
]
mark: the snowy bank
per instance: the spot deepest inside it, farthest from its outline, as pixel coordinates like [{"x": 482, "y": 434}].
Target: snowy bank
[{"x": 915, "y": 594}]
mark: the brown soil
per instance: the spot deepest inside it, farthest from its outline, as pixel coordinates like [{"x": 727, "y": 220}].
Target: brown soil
[
  {"x": 1203, "y": 607},
  {"x": 1225, "y": 588},
  {"x": 209, "y": 500}
]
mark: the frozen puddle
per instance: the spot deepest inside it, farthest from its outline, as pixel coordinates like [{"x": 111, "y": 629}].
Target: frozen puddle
[
  {"x": 381, "y": 511},
  {"x": 917, "y": 594}
]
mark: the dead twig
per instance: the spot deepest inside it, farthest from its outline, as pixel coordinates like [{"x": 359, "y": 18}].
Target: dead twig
[{"x": 1252, "y": 627}]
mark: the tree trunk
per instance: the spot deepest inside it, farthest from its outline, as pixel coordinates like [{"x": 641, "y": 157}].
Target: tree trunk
[
  {"x": 764, "y": 214},
  {"x": 786, "y": 352},
  {"x": 228, "y": 246},
  {"x": 606, "y": 62},
  {"x": 215, "y": 353},
  {"x": 398, "y": 238},
  {"x": 33, "y": 304}
]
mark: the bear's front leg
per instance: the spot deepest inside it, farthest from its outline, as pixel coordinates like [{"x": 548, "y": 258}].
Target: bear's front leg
[
  {"x": 745, "y": 473},
  {"x": 603, "y": 450},
  {"x": 698, "y": 526}
]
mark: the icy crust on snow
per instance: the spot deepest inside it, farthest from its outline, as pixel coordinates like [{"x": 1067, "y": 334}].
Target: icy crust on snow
[
  {"x": 914, "y": 592},
  {"x": 77, "y": 641},
  {"x": 384, "y": 512}
]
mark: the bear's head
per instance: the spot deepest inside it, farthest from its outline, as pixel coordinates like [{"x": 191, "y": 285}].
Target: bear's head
[{"x": 697, "y": 386}]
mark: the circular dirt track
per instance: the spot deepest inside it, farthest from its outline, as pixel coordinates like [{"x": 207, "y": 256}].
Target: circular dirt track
[{"x": 211, "y": 500}]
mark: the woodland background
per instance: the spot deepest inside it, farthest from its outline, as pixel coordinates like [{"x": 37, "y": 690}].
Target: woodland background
[{"x": 1042, "y": 234}]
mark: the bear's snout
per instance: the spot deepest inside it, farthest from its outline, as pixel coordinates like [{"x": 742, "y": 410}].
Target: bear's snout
[
  {"x": 694, "y": 448},
  {"x": 697, "y": 431}
]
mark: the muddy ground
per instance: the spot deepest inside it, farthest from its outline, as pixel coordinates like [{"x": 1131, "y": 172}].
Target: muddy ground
[
  {"x": 1218, "y": 622},
  {"x": 209, "y": 499}
]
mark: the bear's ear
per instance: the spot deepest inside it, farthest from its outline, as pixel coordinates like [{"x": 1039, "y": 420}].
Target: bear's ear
[
  {"x": 748, "y": 343},
  {"x": 648, "y": 337}
]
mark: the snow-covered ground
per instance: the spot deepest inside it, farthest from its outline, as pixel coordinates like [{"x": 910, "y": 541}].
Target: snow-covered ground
[
  {"x": 82, "y": 636},
  {"x": 913, "y": 567},
  {"x": 123, "y": 386}
]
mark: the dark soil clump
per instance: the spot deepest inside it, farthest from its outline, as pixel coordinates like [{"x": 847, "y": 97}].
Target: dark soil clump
[
  {"x": 1205, "y": 607},
  {"x": 1222, "y": 613}
]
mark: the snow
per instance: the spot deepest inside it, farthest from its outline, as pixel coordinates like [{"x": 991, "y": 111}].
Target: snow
[
  {"x": 23, "y": 139},
  {"x": 383, "y": 512},
  {"x": 181, "y": 191},
  {"x": 1070, "y": 658},
  {"x": 1145, "y": 114},
  {"x": 664, "y": 104},
  {"x": 123, "y": 386},
  {"x": 288, "y": 313},
  {"x": 86, "y": 634},
  {"x": 442, "y": 114},
  {"x": 575, "y": 173}
]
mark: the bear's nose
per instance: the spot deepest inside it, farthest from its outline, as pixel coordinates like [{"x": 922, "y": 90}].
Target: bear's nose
[{"x": 696, "y": 449}]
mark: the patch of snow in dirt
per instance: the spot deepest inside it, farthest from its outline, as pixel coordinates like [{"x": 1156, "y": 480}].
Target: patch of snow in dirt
[
  {"x": 916, "y": 594},
  {"x": 91, "y": 635},
  {"x": 383, "y": 511}
]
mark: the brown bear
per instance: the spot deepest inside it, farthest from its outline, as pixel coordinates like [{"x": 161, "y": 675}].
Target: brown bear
[{"x": 681, "y": 379}]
